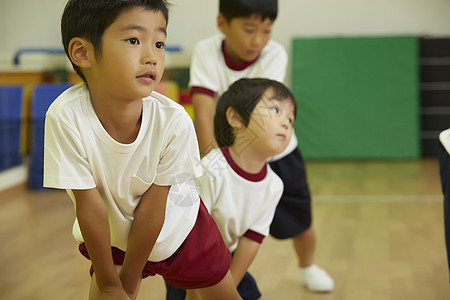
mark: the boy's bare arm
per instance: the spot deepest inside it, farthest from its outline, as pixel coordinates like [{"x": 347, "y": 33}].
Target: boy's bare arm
[
  {"x": 92, "y": 217},
  {"x": 204, "y": 110},
  {"x": 147, "y": 224},
  {"x": 243, "y": 257}
]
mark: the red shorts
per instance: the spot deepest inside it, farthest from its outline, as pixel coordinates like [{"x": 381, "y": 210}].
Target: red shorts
[{"x": 202, "y": 260}]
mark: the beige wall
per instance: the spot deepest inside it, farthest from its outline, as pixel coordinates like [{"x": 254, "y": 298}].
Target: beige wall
[{"x": 35, "y": 23}]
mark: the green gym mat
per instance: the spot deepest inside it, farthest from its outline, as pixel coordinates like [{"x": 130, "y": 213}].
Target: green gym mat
[{"x": 358, "y": 98}]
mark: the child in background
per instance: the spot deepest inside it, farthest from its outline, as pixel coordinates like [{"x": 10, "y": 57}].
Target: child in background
[
  {"x": 245, "y": 49},
  {"x": 253, "y": 122},
  {"x": 444, "y": 166},
  {"x": 128, "y": 156}
]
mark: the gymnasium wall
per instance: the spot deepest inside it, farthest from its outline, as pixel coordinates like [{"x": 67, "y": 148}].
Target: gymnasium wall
[
  {"x": 362, "y": 110},
  {"x": 26, "y": 23}
]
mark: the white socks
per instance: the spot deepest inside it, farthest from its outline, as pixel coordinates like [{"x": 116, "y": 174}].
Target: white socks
[{"x": 316, "y": 279}]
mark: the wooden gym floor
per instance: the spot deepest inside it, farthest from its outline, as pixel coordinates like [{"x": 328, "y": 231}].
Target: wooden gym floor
[{"x": 379, "y": 227}]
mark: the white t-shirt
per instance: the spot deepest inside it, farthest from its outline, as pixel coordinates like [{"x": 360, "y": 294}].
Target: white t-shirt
[
  {"x": 80, "y": 154},
  {"x": 238, "y": 201},
  {"x": 211, "y": 70},
  {"x": 444, "y": 137}
]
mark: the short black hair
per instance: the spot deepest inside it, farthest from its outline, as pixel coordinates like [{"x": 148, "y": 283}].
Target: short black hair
[
  {"x": 231, "y": 9},
  {"x": 89, "y": 19},
  {"x": 243, "y": 96}
]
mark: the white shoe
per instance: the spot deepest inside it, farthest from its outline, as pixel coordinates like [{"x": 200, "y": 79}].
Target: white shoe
[{"x": 316, "y": 279}]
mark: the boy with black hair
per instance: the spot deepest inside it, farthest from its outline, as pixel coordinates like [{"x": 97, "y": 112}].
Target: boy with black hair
[
  {"x": 128, "y": 157},
  {"x": 245, "y": 49}
]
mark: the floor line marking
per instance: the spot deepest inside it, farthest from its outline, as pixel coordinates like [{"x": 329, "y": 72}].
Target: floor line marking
[{"x": 378, "y": 198}]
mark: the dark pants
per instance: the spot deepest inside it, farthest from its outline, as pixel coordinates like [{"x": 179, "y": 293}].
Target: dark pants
[
  {"x": 247, "y": 288},
  {"x": 293, "y": 213},
  {"x": 444, "y": 164}
]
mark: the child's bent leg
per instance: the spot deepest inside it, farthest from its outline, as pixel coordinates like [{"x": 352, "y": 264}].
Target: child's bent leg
[
  {"x": 224, "y": 290},
  {"x": 304, "y": 245},
  {"x": 193, "y": 295}
]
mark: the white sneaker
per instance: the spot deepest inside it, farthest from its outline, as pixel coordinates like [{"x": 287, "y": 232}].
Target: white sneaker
[{"x": 316, "y": 279}]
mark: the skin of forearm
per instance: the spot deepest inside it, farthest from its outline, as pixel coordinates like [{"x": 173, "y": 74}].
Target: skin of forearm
[
  {"x": 92, "y": 217},
  {"x": 242, "y": 259},
  {"x": 204, "y": 110},
  {"x": 148, "y": 221},
  {"x": 205, "y": 136}
]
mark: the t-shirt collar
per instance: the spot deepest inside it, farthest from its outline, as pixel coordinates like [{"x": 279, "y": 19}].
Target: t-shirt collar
[
  {"x": 235, "y": 66},
  {"x": 255, "y": 177}
]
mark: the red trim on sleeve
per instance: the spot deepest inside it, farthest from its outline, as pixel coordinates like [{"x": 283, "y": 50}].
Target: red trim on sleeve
[
  {"x": 257, "y": 237},
  {"x": 202, "y": 90}
]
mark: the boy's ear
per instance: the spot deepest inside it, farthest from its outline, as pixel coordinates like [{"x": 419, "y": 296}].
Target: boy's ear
[
  {"x": 222, "y": 23},
  {"x": 234, "y": 119},
  {"x": 80, "y": 52}
]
